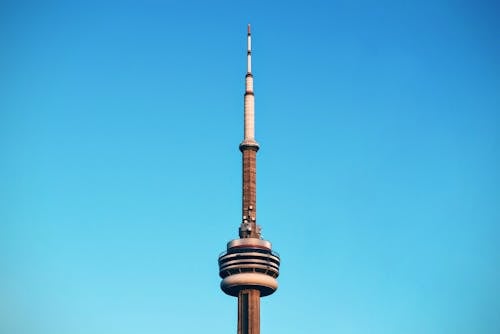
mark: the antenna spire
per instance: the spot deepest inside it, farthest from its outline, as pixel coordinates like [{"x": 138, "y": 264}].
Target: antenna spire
[
  {"x": 249, "y": 51},
  {"x": 249, "y": 148},
  {"x": 249, "y": 110}
]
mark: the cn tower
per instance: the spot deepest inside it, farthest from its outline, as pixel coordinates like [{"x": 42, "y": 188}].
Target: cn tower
[{"x": 249, "y": 267}]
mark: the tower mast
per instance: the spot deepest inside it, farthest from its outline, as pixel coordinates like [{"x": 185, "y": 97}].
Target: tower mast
[
  {"x": 249, "y": 148},
  {"x": 249, "y": 267}
]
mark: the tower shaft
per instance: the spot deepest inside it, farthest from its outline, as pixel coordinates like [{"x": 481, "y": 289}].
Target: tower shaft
[{"x": 249, "y": 312}]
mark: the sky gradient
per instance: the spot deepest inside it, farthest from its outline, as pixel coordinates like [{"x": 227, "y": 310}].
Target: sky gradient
[{"x": 378, "y": 182}]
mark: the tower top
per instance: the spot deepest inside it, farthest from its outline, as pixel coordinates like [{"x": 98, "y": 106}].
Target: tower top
[
  {"x": 249, "y": 51},
  {"x": 249, "y": 148},
  {"x": 249, "y": 122}
]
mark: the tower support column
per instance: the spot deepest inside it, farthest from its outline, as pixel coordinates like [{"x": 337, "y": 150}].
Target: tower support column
[{"x": 249, "y": 311}]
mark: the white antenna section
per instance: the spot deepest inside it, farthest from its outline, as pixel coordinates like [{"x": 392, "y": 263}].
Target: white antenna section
[
  {"x": 249, "y": 51},
  {"x": 249, "y": 131}
]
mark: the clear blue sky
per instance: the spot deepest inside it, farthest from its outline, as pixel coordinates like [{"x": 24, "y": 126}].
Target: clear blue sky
[{"x": 378, "y": 181}]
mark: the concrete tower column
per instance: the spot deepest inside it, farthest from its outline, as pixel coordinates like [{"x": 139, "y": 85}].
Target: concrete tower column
[{"x": 249, "y": 312}]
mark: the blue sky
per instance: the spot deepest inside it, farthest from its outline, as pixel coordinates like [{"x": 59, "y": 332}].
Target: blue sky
[{"x": 378, "y": 173}]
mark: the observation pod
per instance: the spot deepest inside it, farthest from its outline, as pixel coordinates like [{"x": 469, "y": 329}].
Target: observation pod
[{"x": 249, "y": 263}]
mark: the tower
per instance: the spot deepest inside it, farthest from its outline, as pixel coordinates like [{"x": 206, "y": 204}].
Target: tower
[{"x": 249, "y": 267}]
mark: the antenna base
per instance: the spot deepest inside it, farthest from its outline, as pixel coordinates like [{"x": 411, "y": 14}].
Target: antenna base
[{"x": 249, "y": 144}]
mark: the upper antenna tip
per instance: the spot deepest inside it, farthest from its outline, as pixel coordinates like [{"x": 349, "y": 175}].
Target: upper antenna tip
[{"x": 249, "y": 28}]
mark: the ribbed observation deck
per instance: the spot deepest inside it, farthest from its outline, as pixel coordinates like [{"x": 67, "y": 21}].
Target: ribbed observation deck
[{"x": 249, "y": 263}]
